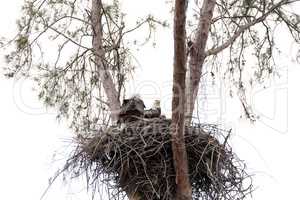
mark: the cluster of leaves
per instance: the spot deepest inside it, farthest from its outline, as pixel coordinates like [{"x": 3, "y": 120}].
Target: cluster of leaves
[
  {"x": 54, "y": 47},
  {"x": 242, "y": 43}
]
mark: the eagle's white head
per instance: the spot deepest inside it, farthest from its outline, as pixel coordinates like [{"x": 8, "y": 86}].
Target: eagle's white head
[{"x": 156, "y": 104}]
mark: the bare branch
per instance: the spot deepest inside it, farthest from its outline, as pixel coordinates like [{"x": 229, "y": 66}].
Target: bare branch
[{"x": 242, "y": 29}]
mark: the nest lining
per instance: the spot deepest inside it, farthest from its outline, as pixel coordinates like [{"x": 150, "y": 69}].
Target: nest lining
[{"x": 137, "y": 159}]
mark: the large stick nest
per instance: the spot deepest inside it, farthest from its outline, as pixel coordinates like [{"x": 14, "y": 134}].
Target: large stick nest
[{"x": 137, "y": 159}]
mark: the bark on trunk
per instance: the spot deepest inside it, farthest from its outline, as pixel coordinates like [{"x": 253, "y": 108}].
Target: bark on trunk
[
  {"x": 197, "y": 57},
  {"x": 183, "y": 190},
  {"x": 105, "y": 76}
]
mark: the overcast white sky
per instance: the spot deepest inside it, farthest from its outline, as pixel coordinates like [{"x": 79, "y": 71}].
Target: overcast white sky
[{"x": 30, "y": 135}]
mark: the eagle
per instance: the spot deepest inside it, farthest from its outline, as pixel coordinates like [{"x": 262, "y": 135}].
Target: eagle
[
  {"x": 153, "y": 112},
  {"x": 132, "y": 110}
]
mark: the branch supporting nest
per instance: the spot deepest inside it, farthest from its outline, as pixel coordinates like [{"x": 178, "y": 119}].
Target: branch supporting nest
[{"x": 138, "y": 159}]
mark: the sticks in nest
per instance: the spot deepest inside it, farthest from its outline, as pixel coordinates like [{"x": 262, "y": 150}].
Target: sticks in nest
[{"x": 138, "y": 160}]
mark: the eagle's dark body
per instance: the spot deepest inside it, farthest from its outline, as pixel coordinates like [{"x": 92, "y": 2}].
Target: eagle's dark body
[
  {"x": 152, "y": 113},
  {"x": 133, "y": 109}
]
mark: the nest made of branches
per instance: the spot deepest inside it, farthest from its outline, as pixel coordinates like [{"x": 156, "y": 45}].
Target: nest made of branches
[{"x": 137, "y": 159}]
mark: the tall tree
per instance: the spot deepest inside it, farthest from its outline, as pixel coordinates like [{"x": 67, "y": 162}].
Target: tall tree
[
  {"x": 84, "y": 76},
  {"x": 183, "y": 191}
]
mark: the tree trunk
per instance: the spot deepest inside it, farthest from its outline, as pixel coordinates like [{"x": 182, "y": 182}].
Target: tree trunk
[
  {"x": 183, "y": 190},
  {"x": 197, "y": 57},
  {"x": 105, "y": 76}
]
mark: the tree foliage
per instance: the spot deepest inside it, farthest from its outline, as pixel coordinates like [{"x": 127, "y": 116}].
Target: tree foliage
[
  {"x": 54, "y": 47},
  {"x": 79, "y": 54},
  {"x": 241, "y": 43}
]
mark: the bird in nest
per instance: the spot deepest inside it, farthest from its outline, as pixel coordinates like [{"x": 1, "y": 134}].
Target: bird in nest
[
  {"x": 132, "y": 109},
  {"x": 154, "y": 111}
]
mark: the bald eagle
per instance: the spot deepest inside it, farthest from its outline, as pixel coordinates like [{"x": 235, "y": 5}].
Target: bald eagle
[
  {"x": 131, "y": 110},
  {"x": 154, "y": 112}
]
